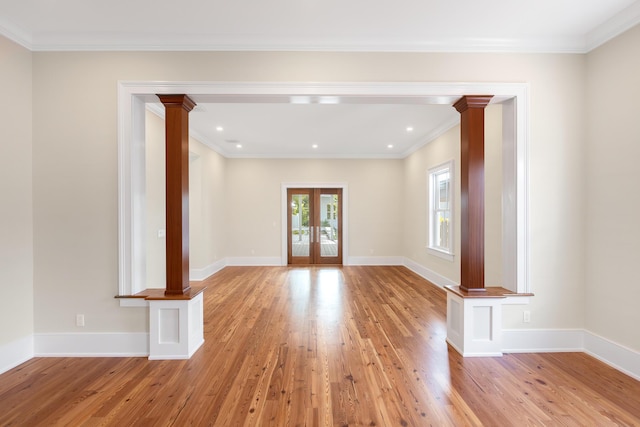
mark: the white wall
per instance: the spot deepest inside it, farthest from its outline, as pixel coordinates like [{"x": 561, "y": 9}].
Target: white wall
[
  {"x": 16, "y": 204},
  {"x": 75, "y": 169},
  {"x": 612, "y": 175}
]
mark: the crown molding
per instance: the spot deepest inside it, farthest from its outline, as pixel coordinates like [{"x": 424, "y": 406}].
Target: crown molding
[
  {"x": 433, "y": 135},
  {"x": 14, "y": 34},
  {"x": 570, "y": 45},
  {"x": 443, "y": 45},
  {"x": 159, "y": 111},
  {"x": 618, "y": 24}
]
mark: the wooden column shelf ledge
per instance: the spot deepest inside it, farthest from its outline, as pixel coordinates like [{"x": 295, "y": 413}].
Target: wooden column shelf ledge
[
  {"x": 489, "y": 292},
  {"x": 159, "y": 294}
]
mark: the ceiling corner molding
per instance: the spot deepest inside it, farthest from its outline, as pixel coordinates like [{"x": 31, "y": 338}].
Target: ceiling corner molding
[
  {"x": 618, "y": 24},
  {"x": 14, "y": 34},
  {"x": 444, "y": 45},
  {"x": 507, "y": 45},
  {"x": 433, "y": 135},
  {"x": 204, "y": 44},
  {"x": 160, "y": 112}
]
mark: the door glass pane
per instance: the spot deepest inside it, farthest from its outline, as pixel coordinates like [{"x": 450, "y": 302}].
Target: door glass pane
[
  {"x": 300, "y": 224},
  {"x": 328, "y": 225}
]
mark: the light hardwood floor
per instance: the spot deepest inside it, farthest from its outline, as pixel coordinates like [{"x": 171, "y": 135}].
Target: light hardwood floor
[{"x": 321, "y": 346}]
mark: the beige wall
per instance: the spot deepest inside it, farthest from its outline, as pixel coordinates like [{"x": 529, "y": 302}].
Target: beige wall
[
  {"x": 254, "y": 209},
  {"x": 16, "y": 205},
  {"x": 612, "y": 208},
  {"x": 415, "y": 222},
  {"x": 75, "y": 169},
  {"x": 154, "y": 200},
  {"x": 416, "y": 214},
  {"x": 493, "y": 196},
  {"x": 206, "y": 203}
]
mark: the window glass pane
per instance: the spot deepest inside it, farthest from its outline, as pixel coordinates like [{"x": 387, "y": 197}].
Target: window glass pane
[
  {"x": 300, "y": 224},
  {"x": 440, "y": 201},
  {"x": 329, "y": 225},
  {"x": 443, "y": 190},
  {"x": 443, "y": 231}
]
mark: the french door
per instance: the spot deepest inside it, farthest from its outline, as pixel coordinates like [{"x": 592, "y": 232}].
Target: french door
[{"x": 314, "y": 226}]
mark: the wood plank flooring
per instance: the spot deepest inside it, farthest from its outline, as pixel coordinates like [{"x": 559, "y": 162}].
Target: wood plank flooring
[{"x": 330, "y": 346}]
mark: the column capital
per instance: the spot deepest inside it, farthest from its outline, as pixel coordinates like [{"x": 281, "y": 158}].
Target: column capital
[
  {"x": 472, "y": 101},
  {"x": 178, "y": 100}
]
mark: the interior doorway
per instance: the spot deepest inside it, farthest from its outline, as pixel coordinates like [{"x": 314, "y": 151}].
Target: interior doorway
[
  {"x": 314, "y": 226},
  {"x": 134, "y": 96}
]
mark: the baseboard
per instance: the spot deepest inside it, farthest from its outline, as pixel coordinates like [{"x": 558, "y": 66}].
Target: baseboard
[
  {"x": 254, "y": 261},
  {"x": 428, "y": 274},
  {"x": 613, "y": 354},
  {"x": 15, "y": 353},
  {"x": 377, "y": 260},
  {"x": 199, "y": 274},
  {"x": 178, "y": 356},
  {"x": 92, "y": 344},
  {"x": 542, "y": 340}
]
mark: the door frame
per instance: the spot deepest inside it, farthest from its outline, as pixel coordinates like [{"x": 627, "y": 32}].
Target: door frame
[{"x": 345, "y": 214}]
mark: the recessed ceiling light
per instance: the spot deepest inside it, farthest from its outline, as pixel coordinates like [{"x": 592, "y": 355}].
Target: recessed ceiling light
[
  {"x": 238, "y": 145},
  {"x": 219, "y": 128},
  {"x": 314, "y": 146},
  {"x": 409, "y": 128},
  {"x": 390, "y": 146}
]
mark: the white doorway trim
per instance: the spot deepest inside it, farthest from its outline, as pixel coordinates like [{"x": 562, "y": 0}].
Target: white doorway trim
[
  {"x": 133, "y": 95},
  {"x": 345, "y": 214}
]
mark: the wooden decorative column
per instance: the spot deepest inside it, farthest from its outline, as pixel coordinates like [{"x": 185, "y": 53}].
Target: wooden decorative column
[
  {"x": 177, "y": 191},
  {"x": 471, "y": 109}
]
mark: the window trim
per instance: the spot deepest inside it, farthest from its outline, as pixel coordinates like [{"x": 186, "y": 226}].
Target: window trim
[{"x": 431, "y": 202}]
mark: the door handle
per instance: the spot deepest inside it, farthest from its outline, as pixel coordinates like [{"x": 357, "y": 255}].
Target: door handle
[{"x": 311, "y": 234}]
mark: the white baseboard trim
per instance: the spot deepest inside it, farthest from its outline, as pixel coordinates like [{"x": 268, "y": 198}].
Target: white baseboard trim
[
  {"x": 253, "y": 261},
  {"x": 377, "y": 260},
  {"x": 613, "y": 354},
  {"x": 199, "y": 274},
  {"x": 92, "y": 344},
  {"x": 542, "y": 340},
  {"x": 15, "y": 353},
  {"x": 428, "y": 274},
  {"x": 178, "y": 356}
]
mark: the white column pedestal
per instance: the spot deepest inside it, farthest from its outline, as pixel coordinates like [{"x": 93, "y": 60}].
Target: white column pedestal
[
  {"x": 474, "y": 324},
  {"x": 176, "y": 327}
]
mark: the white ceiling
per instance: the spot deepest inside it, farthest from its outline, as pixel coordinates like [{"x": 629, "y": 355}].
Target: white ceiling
[
  {"x": 353, "y": 25},
  {"x": 319, "y": 130},
  {"x": 340, "y": 129}
]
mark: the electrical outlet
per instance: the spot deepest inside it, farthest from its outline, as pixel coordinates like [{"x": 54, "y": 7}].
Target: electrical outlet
[
  {"x": 79, "y": 319},
  {"x": 526, "y": 316}
]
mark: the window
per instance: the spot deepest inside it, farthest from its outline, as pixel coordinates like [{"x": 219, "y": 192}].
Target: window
[{"x": 441, "y": 210}]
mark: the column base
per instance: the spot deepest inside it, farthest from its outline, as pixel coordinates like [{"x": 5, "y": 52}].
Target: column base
[
  {"x": 176, "y": 328},
  {"x": 474, "y": 323}
]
